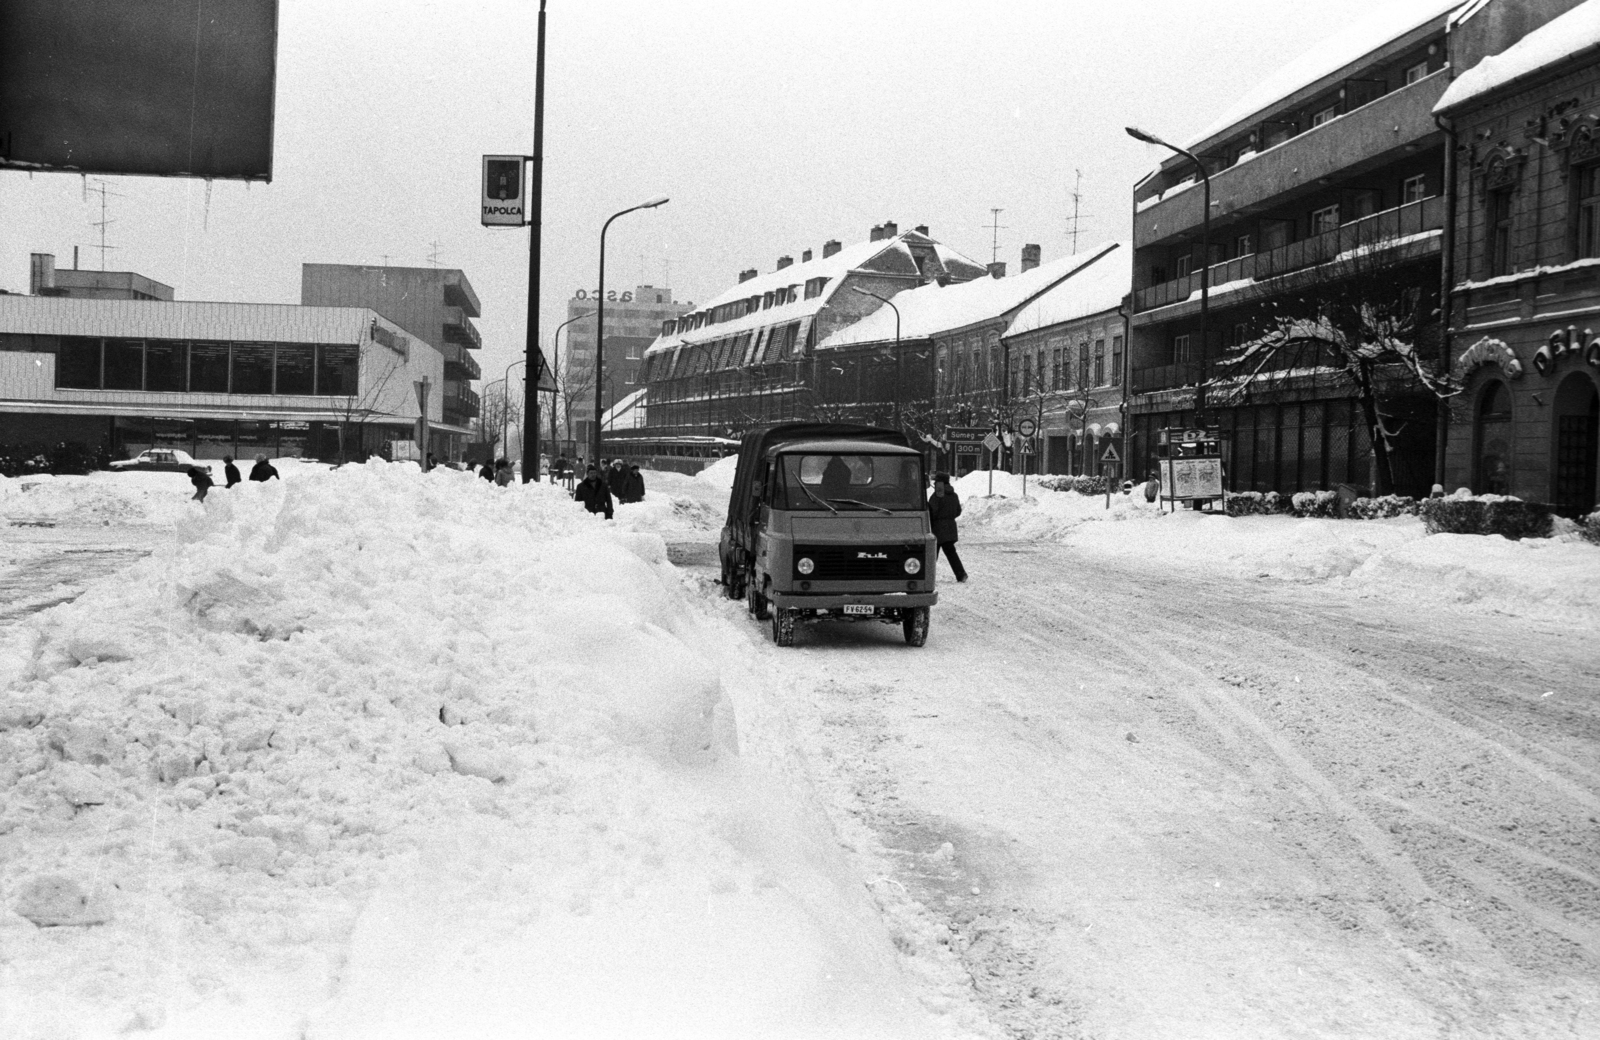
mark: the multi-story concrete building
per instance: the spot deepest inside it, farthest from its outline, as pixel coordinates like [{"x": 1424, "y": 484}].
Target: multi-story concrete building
[
  {"x": 747, "y": 357},
  {"x": 633, "y": 321},
  {"x": 45, "y": 279},
  {"x": 1526, "y": 278},
  {"x": 434, "y": 304},
  {"x": 1326, "y": 182},
  {"x": 124, "y": 373}
]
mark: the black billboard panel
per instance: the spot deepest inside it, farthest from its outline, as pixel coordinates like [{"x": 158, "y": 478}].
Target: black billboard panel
[{"x": 113, "y": 87}]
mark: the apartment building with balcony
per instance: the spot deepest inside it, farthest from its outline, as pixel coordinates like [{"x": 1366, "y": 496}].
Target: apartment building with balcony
[
  {"x": 1524, "y": 300},
  {"x": 634, "y": 318},
  {"x": 1336, "y": 156},
  {"x": 433, "y": 304},
  {"x": 749, "y": 356}
]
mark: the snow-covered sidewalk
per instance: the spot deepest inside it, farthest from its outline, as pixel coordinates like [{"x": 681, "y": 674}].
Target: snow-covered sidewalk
[{"x": 372, "y": 753}]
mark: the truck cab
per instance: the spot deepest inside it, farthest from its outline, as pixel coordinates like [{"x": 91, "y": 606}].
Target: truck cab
[{"x": 830, "y": 522}]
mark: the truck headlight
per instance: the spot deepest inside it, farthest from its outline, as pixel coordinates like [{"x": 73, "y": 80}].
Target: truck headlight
[
  {"x": 913, "y": 565},
  {"x": 805, "y": 566}
]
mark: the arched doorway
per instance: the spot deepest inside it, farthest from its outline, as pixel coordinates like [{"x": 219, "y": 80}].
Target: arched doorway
[
  {"x": 1577, "y": 445},
  {"x": 1491, "y": 441}
]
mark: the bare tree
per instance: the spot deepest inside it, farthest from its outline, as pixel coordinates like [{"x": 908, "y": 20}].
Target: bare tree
[
  {"x": 360, "y": 406},
  {"x": 497, "y": 410},
  {"x": 1360, "y": 318}
]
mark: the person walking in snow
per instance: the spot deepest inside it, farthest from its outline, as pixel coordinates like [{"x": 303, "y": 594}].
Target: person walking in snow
[
  {"x": 617, "y": 479},
  {"x": 263, "y": 470},
  {"x": 594, "y": 495},
  {"x": 943, "y": 508},
  {"x": 487, "y": 472},
  {"x": 201, "y": 479},
  {"x": 635, "y": 485},
  {"x": 504, "y": 472},
  {"x": 230, "y": 472}
]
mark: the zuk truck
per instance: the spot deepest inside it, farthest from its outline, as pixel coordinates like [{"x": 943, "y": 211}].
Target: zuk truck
[{"x": 829, "y": 522}]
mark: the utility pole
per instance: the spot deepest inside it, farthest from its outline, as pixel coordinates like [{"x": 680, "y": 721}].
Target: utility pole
[
  {"x": 996, "y": 227},
  {"x": 535, "y": 356}
]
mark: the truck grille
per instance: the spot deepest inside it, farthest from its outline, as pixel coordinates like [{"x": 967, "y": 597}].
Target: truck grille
[{"x": 857, "y": 562}]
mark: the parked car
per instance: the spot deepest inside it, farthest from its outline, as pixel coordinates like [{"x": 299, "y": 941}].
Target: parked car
[{"x": 161, "y": 460}]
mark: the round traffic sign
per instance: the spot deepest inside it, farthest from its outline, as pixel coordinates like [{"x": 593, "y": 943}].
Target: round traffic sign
[{"x": 1027, "y": 427}]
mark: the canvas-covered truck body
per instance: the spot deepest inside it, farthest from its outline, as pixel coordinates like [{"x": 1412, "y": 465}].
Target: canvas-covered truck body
[{"x": 828, "y": 521}]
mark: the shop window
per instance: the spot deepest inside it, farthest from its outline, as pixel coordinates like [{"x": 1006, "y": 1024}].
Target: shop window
[
  {"x": 1413, "y": 189},
  {"x": 1325, "y": 219},
  {"x": 78, "y": 364},
  {"x": 208, "y": 368},
  {"x": 165, "y": 366},
  {"x": 337, "y": 366},
  {"x": 1499, "y": 220},
  {"x": 1588, "y": 211},
  {"x": 124, "y": 364},
  {"x": 252, "y": 368},
  {"x": 1492, "y": 442},
  {"x": 296, "y": 368}
]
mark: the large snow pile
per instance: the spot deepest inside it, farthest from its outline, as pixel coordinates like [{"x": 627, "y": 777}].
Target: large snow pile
[
  {"x": 719, "y": 475},
  {"x": 372, "y": 753},
  {"x": 1394, "y": 558}
]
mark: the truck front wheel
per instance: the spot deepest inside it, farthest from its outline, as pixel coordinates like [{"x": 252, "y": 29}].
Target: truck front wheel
[
  {"x": 783, "y": 626},
  {"x": 915, "y": 622}
]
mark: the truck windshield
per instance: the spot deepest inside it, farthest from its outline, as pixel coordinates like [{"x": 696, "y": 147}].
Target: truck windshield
[{"x": 850, "y": 482}]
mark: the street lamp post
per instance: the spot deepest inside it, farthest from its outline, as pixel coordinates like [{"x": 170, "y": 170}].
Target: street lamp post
[
  {"x": 555, "y": 371},
  {"x": 600, "y": 321},
  {"x": 885, "y": 299},
  {"x": 485, "y": 429},
  {"x": 1205, "y": 261},
  {"x": 505, "y": 417}
]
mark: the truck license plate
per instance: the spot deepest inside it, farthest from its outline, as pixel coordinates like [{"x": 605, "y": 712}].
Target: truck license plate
[{"x": 859, "y": 608}]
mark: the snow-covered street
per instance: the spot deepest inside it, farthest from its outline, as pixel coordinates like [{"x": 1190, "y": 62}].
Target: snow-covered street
[{"x": 373, "y": 753}]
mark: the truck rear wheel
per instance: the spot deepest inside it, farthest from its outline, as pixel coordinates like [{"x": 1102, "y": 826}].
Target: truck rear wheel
[
  {"x": 783, "y": 626},
  {"x": 914, "y": 621},
  {"x": 760, "y": 609}
]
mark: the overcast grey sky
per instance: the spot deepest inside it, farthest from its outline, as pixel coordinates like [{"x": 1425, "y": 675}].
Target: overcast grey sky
[{"x": 773, "y": 127}]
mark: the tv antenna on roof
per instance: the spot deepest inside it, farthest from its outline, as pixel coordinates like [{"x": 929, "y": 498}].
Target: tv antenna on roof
[
  {"x": 105, "y": 221},
  {"x": 433, "y": 255},
  {"x": 996, "y": 227},
  {"x": 1076, "y": 196}
]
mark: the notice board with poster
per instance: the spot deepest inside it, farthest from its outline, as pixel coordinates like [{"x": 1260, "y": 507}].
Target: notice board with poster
[{"x": 1184, "y": 480}]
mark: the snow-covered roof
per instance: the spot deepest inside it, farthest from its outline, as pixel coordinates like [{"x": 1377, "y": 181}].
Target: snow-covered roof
[
  {"x": 626, "y": 414},
  {"x": 186, "y": 319},
  {"x": 1391, "y": 20},
  {"x": 834, "y": 268},
  {"x": 931, "y": 309},
  {"x": 1577, "y": 30},
  {"x": 1093, "y": 289}
]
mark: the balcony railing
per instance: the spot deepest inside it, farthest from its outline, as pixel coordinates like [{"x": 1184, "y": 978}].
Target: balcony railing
[
  {"x": 461, "y": 403},
  {"x": 458, "y": 328},
  {"x": 459, "y": 364},
  {"x": 1369, "y": 233},
  {"x": 1228, "y": 367},
  {"x": 1391, "y": 125}
]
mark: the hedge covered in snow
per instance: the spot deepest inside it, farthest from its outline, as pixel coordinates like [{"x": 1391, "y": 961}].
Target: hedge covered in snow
[{"x": 1487, "y": 514}]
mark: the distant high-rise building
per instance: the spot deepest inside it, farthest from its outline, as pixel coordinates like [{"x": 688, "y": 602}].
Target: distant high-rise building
[{"x": 633, "y": 320}]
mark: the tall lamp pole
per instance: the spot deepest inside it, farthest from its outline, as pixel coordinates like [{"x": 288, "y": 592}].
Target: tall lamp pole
[
  {"x": 531, "y": 352},
  {"x": 555, "y": 370},
  {"x": 885, "y": 299},
  {"x": 1205, "y": 261},
  {"x": 505, "y": 416},
  {"x": 600, "y": 322}
]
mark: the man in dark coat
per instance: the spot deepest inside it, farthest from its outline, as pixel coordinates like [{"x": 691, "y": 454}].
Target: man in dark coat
[
  {"x": 635, "y": 485},
  {"x": 230, "y": 472},
  {"x": 263, "y": 470},
  {"x": 617, "y": 480},
  {"x": 943, "y": 508},
  {"x": 201, "y": 479},
  {"x": 593, "y": 494},
  {"x": 487, "y": 472}
]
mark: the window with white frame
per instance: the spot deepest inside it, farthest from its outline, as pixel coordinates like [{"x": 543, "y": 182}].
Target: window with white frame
[
  {"x": 1324, "y": 219},
  {"x": 1414, "y": 189},
  {"x": 1181, "y": 349},
  {"x": 1416, "y": 72},
  {"x": 1324, "y": 115}
]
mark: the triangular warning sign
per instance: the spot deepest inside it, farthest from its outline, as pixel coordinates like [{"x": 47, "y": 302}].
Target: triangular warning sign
[
  {"x": 547, "y": 379},
  {"x": 1111, "y": 454}
]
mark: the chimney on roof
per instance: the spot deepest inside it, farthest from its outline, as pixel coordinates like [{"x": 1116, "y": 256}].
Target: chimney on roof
[
  {"x": 877, "y": 232},
  {"x": 997, "y": 269},
  {"x": 805, "y": 258},
  {"x": 41, "y": 273},
  {"x": 1030, "y": 257},
  {"x": 784, "y": 261},
  {"x": 921, "y": 229},
  {"x": 745, "y": 276},
  {"x": 890, "y": 229},
  {"x": 830, "y": 247}
]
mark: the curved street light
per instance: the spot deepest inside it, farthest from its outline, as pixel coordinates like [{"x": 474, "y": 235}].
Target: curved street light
[
  {"x": 555, "y": 369},
  {"x": 885, "y": 299},
  {"x": 600, "y": 322},
  {"x": 1205, "y": 260}
]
